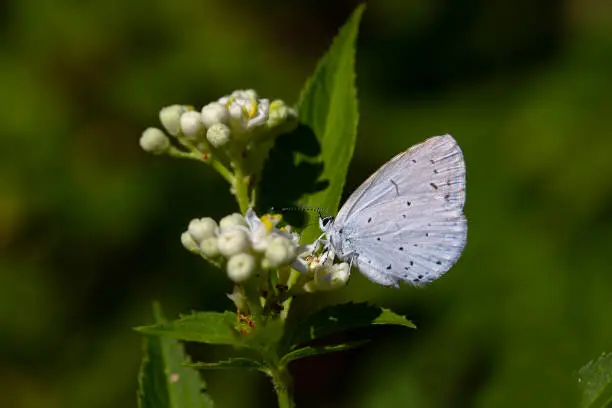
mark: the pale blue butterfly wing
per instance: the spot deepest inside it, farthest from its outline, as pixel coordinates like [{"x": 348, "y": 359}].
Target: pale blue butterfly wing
[{"x": 406, "y": 222}]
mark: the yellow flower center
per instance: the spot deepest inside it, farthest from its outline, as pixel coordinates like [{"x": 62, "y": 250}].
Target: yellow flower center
[{"x": 270, "y": 220}]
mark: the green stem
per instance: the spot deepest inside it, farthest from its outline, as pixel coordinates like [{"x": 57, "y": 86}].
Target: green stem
[
  {"x": 221, "y": 169},
  {"x": 293, "y": 278},
  {"x": 194, "y": 154},
  {"x": 242, "y": 189},
  {"x": 283, "y": 385}
]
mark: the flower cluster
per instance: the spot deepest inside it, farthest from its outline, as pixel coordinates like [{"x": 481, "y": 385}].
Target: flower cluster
[
  {"x": 236, "y": 119},
  {"x": 250, "y": 247},
  {"x": 245, "y": 245},
  {"x": 233, "y": 134}
]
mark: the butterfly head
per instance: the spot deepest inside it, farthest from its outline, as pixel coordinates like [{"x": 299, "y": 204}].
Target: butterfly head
[{"x": 325, "y": 222}]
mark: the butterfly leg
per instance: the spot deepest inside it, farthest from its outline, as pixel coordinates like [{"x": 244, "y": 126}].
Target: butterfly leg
[
  {"x": 351, "y": 257},
  {"x": 320, "y": 241}
]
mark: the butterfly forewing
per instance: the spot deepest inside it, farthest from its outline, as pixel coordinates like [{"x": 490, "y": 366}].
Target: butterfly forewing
[{"x": 434, "y": 168}]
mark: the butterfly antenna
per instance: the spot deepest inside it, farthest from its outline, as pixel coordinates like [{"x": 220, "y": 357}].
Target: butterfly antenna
[{"x": 318, "y": 210}]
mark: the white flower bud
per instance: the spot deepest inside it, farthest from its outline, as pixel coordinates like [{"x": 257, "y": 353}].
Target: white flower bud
[
  {"x": 170, "y": 117},
  {"x": 339, "y": 275},
  {"x": 209, "y": 247},
  {"x": 218, "y": 135},
  {"x": 280, "y": 251},
  {"x": 191, "y": 123},
  {"x": 232, "y": 220},
  {"x": 280, "y": 113},
  {"x": 232, "y": 242},
  {"x": 214, "y": 112},
  {"x": 236, "y": 118},
  {"x": 189, "y": 243},
  {"x": 202, "y": 228},
  {"x": 240, "y": 267},
  {"x": 329, "y": 278},
  {"x": 154, "y": 141}
]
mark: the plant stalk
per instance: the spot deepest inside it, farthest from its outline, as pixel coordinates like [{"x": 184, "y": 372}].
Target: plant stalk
[
  {"x": 242, "y": 189},
  {"x": 283, "y": 385}
]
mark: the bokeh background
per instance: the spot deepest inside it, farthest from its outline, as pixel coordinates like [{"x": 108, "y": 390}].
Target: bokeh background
[{"x": 90, "y": 224}]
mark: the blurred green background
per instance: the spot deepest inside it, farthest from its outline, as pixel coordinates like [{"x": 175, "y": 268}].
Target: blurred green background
[{"x": 90, "y": 224}]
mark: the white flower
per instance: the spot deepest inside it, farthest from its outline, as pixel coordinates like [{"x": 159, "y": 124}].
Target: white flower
[
  {"x": 189, "y": 243},
  {"x": 328, "y": 276},
  {"x": 233, "y": 241},
  {"x": 213, "y": 113},
  {"x": 280, "y": 251},
  {"x": 191, "y": 123},
  {"x": 280, "y": 247},
  {"x": 240, "y": 267},
  {"x": 337, "y": 277},
  {"x": 260, "y": 232},
  {"x": 209, "y": 247},
  {"x": 246, "y": 112},
  {"x": 218, "y": 135},
  {"x": 232, "y": 220},
  {"x": 170, "y": 117},
  {"x": 154, "y": 141},
  {"x": 202, "y": 228}
]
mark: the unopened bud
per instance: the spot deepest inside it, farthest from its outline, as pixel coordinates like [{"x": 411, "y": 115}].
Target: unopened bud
[{"x": 154, "y": 141}]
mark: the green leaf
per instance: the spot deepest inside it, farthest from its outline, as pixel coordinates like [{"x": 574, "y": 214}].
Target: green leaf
[
  {"x": 313, "y": 351},
  {"x": 237, "y": 362},
  {"x": 164, "y": 381},
  {"x": 328, "y": 106},
  {"x": 596, "y": 381},
  {"x": 338, "y": 318},
  {"x": 203, "y": 327}
]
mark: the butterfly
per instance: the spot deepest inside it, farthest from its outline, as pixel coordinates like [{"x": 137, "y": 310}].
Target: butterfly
[{"x": 406, "y": 221}]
